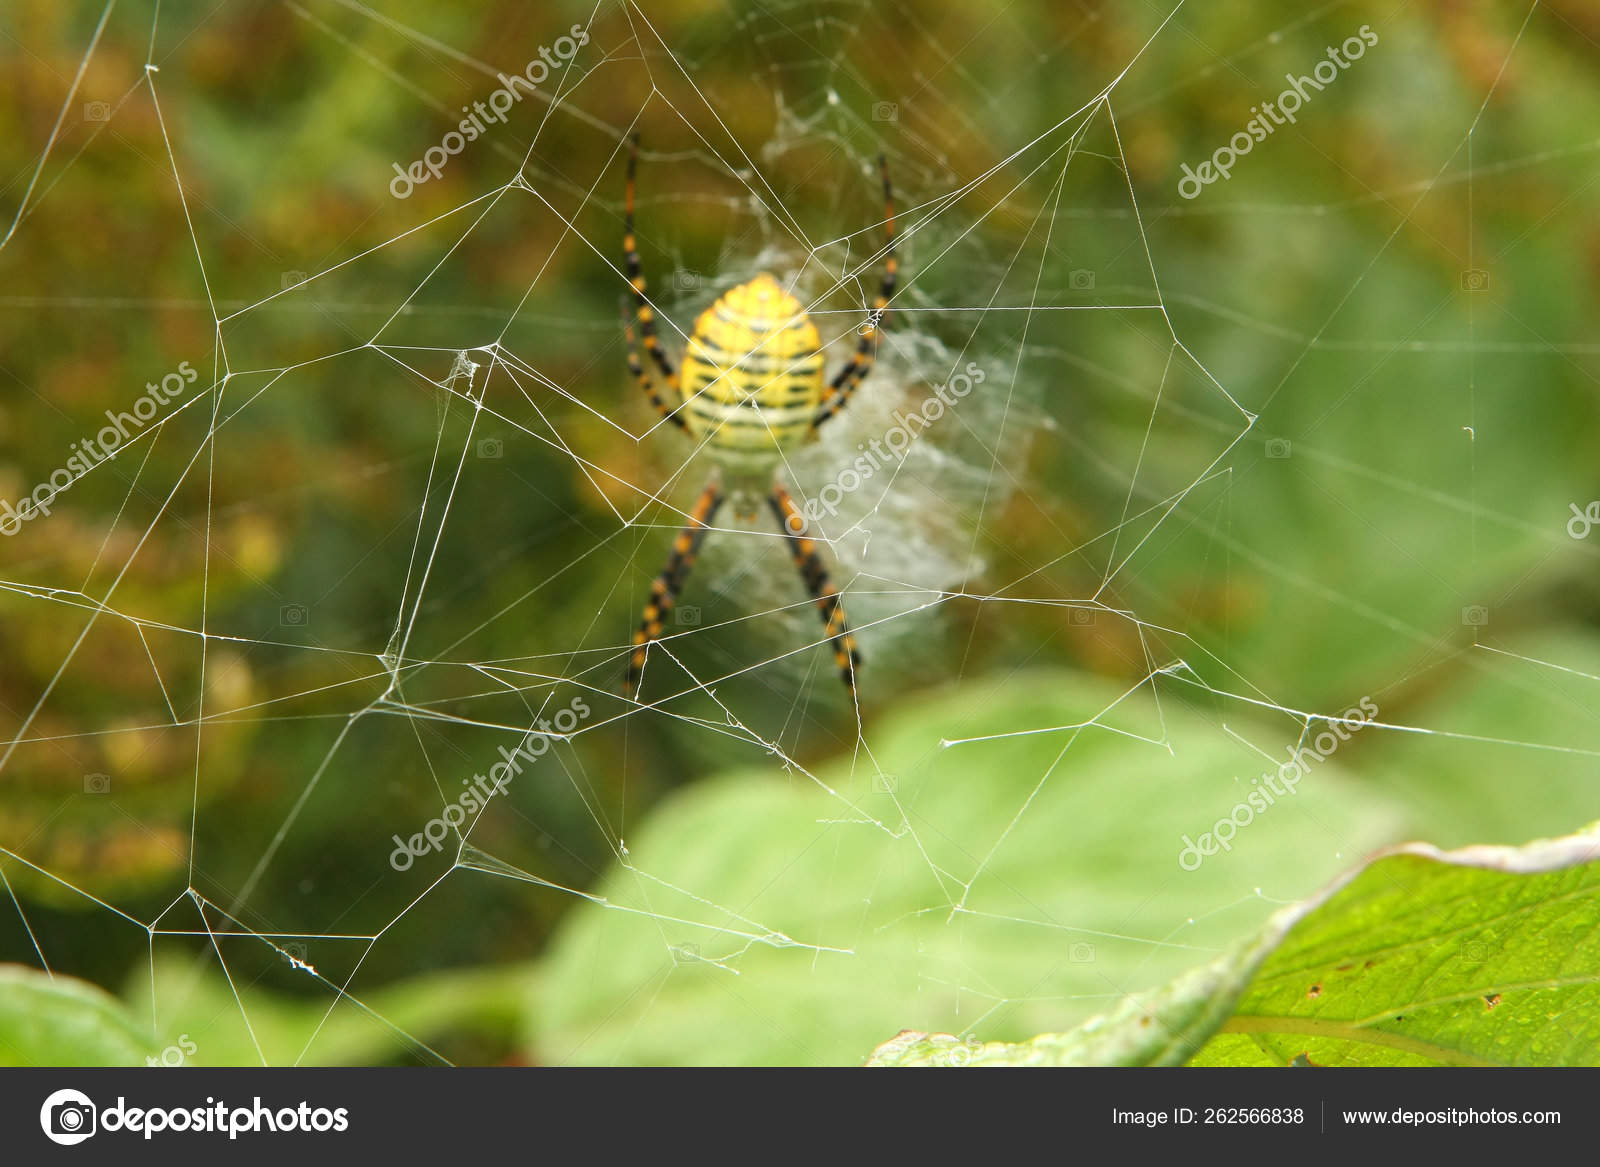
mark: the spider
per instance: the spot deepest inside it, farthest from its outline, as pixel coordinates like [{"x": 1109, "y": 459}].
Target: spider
[{"x": 751, "y": 388}]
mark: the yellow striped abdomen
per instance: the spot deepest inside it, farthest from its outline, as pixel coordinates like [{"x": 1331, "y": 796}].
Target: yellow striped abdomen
[{"x": 752, "y": 374}]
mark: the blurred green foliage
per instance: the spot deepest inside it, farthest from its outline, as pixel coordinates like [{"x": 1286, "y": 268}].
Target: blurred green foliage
[{"x": 201, "y": 682}]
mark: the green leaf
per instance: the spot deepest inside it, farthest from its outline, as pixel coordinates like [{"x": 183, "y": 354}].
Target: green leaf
[
  {"x": 1484, "y": 956},
  {"x": 1160, "y": 1028},
  {"x": 1006, "y": 886},
  {"x": 61, "y": 1021}
]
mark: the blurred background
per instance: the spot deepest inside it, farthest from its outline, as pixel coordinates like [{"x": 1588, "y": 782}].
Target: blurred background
[{"x": 1237, "y": 460}]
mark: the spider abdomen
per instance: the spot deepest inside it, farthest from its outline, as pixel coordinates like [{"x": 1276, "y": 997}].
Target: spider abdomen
[{"x": 752, "y": 375}]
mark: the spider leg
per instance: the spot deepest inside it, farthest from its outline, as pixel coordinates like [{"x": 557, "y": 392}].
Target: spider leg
[
  {"x": 664, "y": 591},
  {"x": 642, "y": 376},
  {"x": 812, "y": 569},
  {"x": 644, "y": 313},
  {"x": 849, "y": 378}
]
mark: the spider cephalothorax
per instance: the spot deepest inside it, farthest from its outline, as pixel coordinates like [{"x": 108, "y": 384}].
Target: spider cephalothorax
[{"x": 751, "y": 387}]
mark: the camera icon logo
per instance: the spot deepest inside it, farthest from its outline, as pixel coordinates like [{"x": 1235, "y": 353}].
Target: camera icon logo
[
  {"x": 293, "y": 615},
  {"x": 292, "y": 279},
  {"x": 97, "y": 783},
  {"x": 1474, "y": 952},
  {"x": 883, "y": 784},
  {"x": 885, "y": 111},
  {"x": 1083, "y": 616},
  {"x": 687, "y": 614},
  {"x": 1475, "y": 280},
  {"x": 1278, "y": 448},
  {"x": 96, "y": 111},
  {"x": 491, "y": 448},
  {"x": 1081, "y": 953},
  {"x": 1081, "y": 280},
  {"x": 685, "y": 954},
  {"x": 1474, "y": 615},
  {"x": 685, "y": 281},
  {"x": 67, "y": 1117}
]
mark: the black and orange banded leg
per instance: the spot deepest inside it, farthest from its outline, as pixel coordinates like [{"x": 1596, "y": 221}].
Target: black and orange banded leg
[
  {"x": 644, "y": 313},
  {"x": 849, "y": 378},
  {"x": 636, "y": 367},
  {"x": 664, "y": 591},
  {"x": 808, "y": 559}
]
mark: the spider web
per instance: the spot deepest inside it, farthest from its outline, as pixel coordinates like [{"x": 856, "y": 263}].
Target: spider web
[{"x": 409, "y": 507}]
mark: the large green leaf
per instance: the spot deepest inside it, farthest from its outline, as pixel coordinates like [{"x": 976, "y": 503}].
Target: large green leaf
[
  {"x": 1006, "y": 886},
  {"x": 61, "y": 1021},
  {"x": 1485, "y": 956}
]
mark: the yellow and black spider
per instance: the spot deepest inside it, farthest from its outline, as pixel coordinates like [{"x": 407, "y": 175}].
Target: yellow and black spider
[{"x": 752, "y": 387}]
